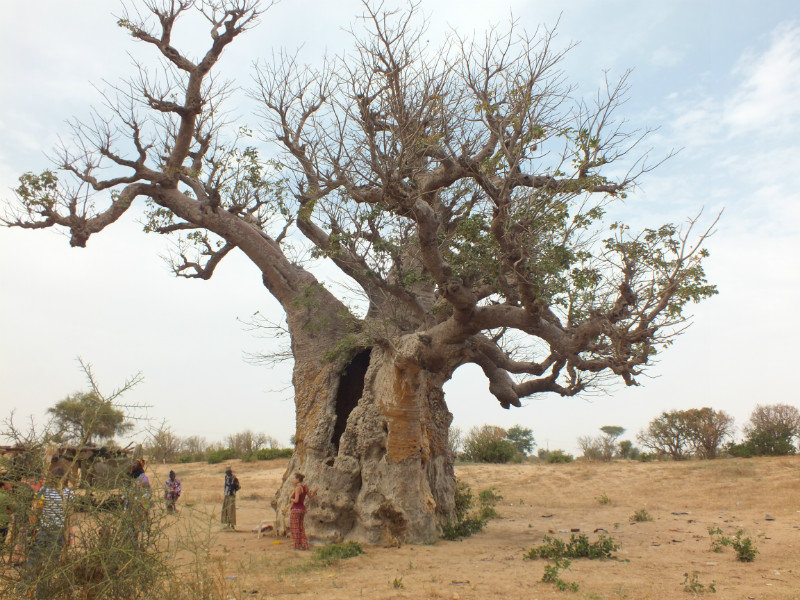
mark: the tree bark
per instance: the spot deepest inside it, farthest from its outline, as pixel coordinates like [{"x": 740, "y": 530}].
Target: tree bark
[{"x": 372, "y": 436}]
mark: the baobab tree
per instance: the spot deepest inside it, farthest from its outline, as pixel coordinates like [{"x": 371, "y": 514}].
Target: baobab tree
[{"x": 459, "y": 190}]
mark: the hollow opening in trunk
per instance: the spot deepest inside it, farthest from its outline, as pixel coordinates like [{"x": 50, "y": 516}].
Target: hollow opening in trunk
[{"x": 351, "y": 387}]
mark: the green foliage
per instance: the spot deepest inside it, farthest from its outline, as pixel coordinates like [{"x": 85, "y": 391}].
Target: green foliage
[
  {"x": 552, "y": 575},
  {"x": 397, "y": 583},
  {"x": 462, "y": 499},
  {"x": 38, "y": 192},
  {"x": 465, "y": 523},
  {"x": 214, "y": 457},
  {"x": 333, "y": 553},
  {"x": 743, "y": 450},
  {"x": 489, "y": 444},
  {"x": 603, "y": 499},
  {"x": 522, "y": 438},
  {"x": 692, "y": 584},
  {"x": 469, "y": 525},
  {"x": 744, "y": 547},
  {"x": 84, "y": 416},
  {"x": 555, "y": 456},
  {"x": 578, "y": 546},
  {"x": 628, "y": 451},
  {"x": 641, "y": 516},
  {"x": 772, "y": 430},
  {"x": 273, "y": 453},
  {"x": 612, "y": 431},
  {"x": 741, "y": 544},
  {"x": 345, "y": 345},
  {"x": 681, "y": 433}
]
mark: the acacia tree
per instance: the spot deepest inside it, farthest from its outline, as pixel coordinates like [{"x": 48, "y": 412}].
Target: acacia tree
[
  {"x": 84, "y": 416},
  {"x": 459, "y": 191}
]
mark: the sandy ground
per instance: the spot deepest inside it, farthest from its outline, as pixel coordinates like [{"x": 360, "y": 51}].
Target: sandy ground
[{"x": 683, "y": 498}]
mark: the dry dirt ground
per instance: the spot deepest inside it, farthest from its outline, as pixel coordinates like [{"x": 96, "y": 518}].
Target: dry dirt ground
[{"x": 684, "y": 499}]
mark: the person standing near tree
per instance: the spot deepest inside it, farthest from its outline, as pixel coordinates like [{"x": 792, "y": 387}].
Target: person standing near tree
[
  {"x": 138, "y": 503},
  {"x": 229, "y": 499},
  {"x": 298, "y": 511},
  {"x": 51, "y": 525},
  {"x": 172, "y": 491}
]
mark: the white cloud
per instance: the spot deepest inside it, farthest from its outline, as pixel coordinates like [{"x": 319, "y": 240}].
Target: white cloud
[{"x": 769, "y": 93}]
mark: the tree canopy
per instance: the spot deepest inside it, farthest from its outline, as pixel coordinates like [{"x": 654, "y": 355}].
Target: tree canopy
[
  {"x": 84, "y": 417},
  {"x": 460, "y": 189}
]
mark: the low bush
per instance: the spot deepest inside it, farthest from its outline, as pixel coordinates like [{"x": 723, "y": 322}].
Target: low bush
[
  {"x": 692, "y": 584},
  {"x": 214, "y": 457},
  {"x": 333, "y": 553},
  {"x": 465, "y": 523},
  {"x": 556, "y": 456},
  {"x": 578, "y": 546},
  {"x": 741, "y": 544},
  {"x": 640, "y": 516},
  {"x": 273, "y": 453},
  {"x": 489, "y": 444}
]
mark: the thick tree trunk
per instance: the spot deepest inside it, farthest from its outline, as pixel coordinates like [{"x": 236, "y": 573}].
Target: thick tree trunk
[{"x": 372, "y": 436}]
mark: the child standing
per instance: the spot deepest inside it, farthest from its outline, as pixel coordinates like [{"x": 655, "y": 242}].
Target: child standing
[{"x": 172, "y": 491}]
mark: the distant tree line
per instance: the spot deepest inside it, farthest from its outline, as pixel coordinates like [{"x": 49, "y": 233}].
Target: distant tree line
[
  {"x": 772, "y": 430},
  {"x": 163, "y": 445},
  {"x": 704, "y": 433}
]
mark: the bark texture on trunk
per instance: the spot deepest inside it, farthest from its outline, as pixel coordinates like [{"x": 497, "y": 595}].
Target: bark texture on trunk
[{"x": 372, "y": 436}]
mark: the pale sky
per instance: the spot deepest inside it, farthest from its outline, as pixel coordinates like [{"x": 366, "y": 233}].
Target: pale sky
[{"x": 720, "y": 79}]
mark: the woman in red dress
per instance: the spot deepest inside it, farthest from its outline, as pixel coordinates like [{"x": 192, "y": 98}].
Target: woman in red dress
[{"x": 298, "y": 511}]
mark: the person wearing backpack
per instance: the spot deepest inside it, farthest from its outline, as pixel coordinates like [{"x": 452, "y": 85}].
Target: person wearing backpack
[{"x": 229, "y": 499}]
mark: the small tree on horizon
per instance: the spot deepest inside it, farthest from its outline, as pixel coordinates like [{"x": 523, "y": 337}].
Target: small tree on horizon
[
  {"x": 522, "y": 438},
  {"x": 773, "y": 429},
  {"x": 668, "y": 434},
  {"x": 709, "y": 429},
  {"x": 84, "y": 417}
]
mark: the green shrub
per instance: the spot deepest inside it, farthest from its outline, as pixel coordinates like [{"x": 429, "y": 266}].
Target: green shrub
[
  {"x": 466, "y": 524},
  {"x": 691, "y": 584},
  {"x": 741, "y": 544},
  {"x": 578, "y": 546},
  {"x": 552, "y": 575},
  {"x": 743, "y": 450},
  {"x": 189, "y": 457},
  {"x": 744, "y": 548},
  {"x": 214, "y": 457},
  {"x": 557, "y": 456},
  {"x": 333, "y": 553},
  {"x": 455, "y": 530},
  {"x": 462, "y": 499},
  {"x": 489, "y": 496},
  {"x": 489, "y": 444},
  {"x": 640, "y": 516},
  {"x": 273, "y": 453}
]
